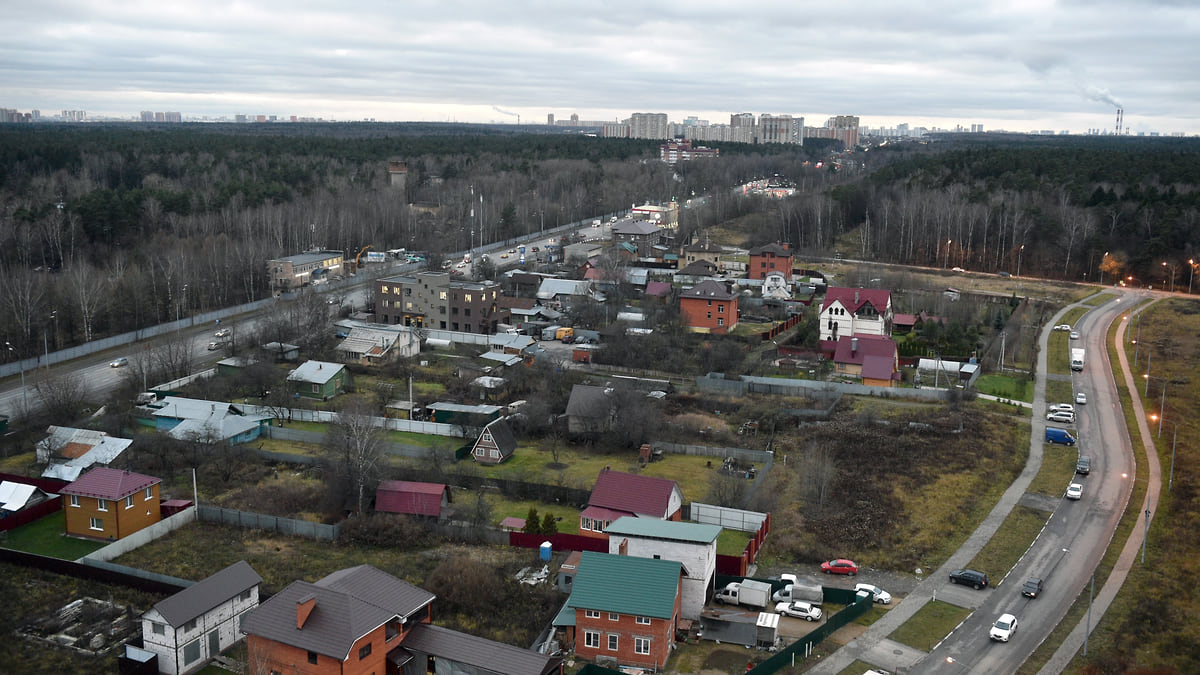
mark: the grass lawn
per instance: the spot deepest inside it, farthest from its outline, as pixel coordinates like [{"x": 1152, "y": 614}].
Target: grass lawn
[
  {"x": 1010, "y": 542},
  {"x": 1059, "y": 391},
  {"x": 1015, "y": 387},
  {"x": 1058, "y": 467},
  {"x": 45, "y": 537},
  {"x": 1058, "y": 354},
  {"x": 929, "y": 625},
  {"x": 18, "y": 463},
  {"x": 422, "y": 440}
]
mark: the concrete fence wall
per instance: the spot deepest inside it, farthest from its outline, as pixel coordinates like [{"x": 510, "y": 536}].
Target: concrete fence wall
[
  {"x": 328, "y": 417},
  {"x": 142, "y": 536},
  {"x": 733, "y": 519},
  {"x": 261, "y": 521}
]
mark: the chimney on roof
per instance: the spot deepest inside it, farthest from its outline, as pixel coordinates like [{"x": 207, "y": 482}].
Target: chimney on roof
[
  {"x": 623, "y": 548},
  {"x": 304, "y": 607},
  {"x": 853, "y": 345}
]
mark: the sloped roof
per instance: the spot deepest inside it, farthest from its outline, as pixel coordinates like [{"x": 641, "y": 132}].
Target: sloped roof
[
  {"x": 489, "y": 656},
  {"x": 879, "y": 368},
  {"x": 626, "y": 585},
  {"x": 215, "y": 428},
  {"x": 84, "y": 447},
  {"x": 373, "y": 341},
  {"x": 409, "y": 497},
  {"x": 554, "y": 287},
  {"x": 670, "y": 530},
  {"x": 105, "y": 483},
  {"x": 854, "y": 298},
  {"x": 699, "y": 268},
  {"x": 15, "y": 496},
  {"x": 502, "y": 436},
  {"x": 771, "y": 248},
  {"x": 868, "y": 345},
  {"x": 317, "y": 372},
  {"x": 635, "y": 228},
  {"x": 658, "y": 289},
  {"x": 632, "y": 493},
  {"x": 349, "y": 604},
  {"x": 589, "y": 401},
  {"x": 503, "y": 358},
  {"x": 709, "y": 290},
  {"x": 178, "y": 407},
  {"x": 204, "y": 595},
  {"x": 510, "y": 340}
]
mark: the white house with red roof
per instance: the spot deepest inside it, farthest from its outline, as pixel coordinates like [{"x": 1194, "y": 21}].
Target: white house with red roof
[
  {"x": 618, "y": 494},
  {"x": 855, "y": 311},
  {"x": 873, "y": 358}
]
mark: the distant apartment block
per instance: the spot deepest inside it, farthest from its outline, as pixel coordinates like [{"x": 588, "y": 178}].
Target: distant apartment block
[
  {"x": 171, "y": 117},
  {"x": 843, "y": 128},
  {"x": 296, "y": 271},
  {"x": 435, "y": 300},
  {"x": 676, "y": 151},
  {"x": 648, "y": 125}
]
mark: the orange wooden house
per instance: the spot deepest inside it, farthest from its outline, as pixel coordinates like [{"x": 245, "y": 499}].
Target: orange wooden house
[{"x": 110, "y": 504}]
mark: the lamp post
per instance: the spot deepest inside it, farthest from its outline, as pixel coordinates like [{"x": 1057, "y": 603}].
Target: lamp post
[
  {"x": 1174, "y": 441},
  {"x": 21, "y": 365},
  {"x": 1191, "y": 274},
  {"x": 1172, "y": 268},
  {"x": 1102, "y": 267},
  {"x": 947, "y": 264},
  {"x": 1161, "y": 403},
  {"x": 1020, "y": 251}
]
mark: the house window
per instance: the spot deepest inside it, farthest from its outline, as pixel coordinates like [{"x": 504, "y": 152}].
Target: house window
[
  {"x": 585, "y": 523},
  {"x": 591, "y": 639},
  {"x": 316, "y": 388},
  {"x": 467, "y": 311},
  {"x": 467, "y": 297},
  {"x": 313, "y": 658},
  {"x": 644, "y": 620},
  {"x": 364, "y": 651},
  {"x": 148, "y": 494},
  {"x": 720, "y": 309},
  {"x": 591, "y": 613},
  {"x": 710, "y": 303},
  {"x": 129, "y": 502},
  {"x": 384, "y": 290},
  {"x": 191, "y": 651},
  {"x": 74, "y": 501},
  {"x": 641, "y": 645},
  {"x": 244, "y": 595},
  {"x": 709, "y": 315},
  {"x": 613, "y": 616},
  {"x": 101, "y": 504},
  {"x": 158, "y": 628},
  {"x": 720, "y": 321},
  {"x": 189, "y": 626},
  {"x": 612, "y": 642},
  {"x": 442, "y": 295},
  {"x": 97, "y": 524}
]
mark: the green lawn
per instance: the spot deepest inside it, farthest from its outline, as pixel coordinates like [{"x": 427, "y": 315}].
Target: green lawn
[
  {"x": 1016, "y": 387},
  {"x": 1059, "y": 391},
  {"x": 1010, "y": 542},
  {"x": 1058, "y": 467},
  {"x": 45, "y": 537},
  {"x": 929, "y": 625}
]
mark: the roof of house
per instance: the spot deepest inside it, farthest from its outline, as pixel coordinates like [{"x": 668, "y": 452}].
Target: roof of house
[
  {"x": 464, "y": 408},
  {"x": 105, "y": 483},
  {"x": 349, "y": 604},
  {"x": 309, "y": 257},
  {"x": 626, "y": 585},
  {"x": 589, "y": 401},
  {"x": 658, "y": 289},
  {"x": 178, "y": 407},
  {"x": 776, "y": 249},
  {"x": 709, "y": 290},
  {"x": 671, "y": 530},
  {"x": 402, "y": 496},
  {"x": 490, "y": 656},
  {"x": 317, "y": 372},
  {"x": 633, "y": 493},
  {"x": 215, "y": 427},
  {"x": 488, "y": 382},
  {"x": 510, "y": 341},
  {"x": 83, "y": 447},
  {"x": 551, "y": 288},
  {"x": 509, "y": 302},
  {"x": 502, "y": 436},
  {"x": 867, "y": 345},
  {"x": 204, "y": 595},
  {"x": 854, "y": 298},
  {"x": 635, "y": 228},
  {"x": 372, "y": 341},
  {"x": 15, "y": 496},
  {"x": 699, "y": 268},
  {"x": 879, "y": 368}
]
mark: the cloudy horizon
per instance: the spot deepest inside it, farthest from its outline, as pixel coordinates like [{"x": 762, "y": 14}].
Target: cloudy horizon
[{"x": 1020, "y": 65}]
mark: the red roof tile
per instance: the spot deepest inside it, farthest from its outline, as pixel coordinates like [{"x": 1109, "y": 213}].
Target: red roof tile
[
  {"x": 631, "y": 493},
  {"x": 402, "y": 496},
  {"x": 105, "y": 483},
  {"x": 854, "y": 298},
  {"x": 868, "y": 345}
]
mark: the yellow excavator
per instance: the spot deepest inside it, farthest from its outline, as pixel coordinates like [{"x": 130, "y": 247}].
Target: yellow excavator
[{"x": 358, "y": 258}]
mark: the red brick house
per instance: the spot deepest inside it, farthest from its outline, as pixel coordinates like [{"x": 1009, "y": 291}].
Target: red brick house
[
  {"x": 626, "y": 608},
  {"x": 429, "y": 500},
  {"x": 770, "y": 258},
  {"x": 110, "y": 504},
  {"x": 617, "y": 494},
  {"x": 709, "y": 307},
  {"x": 873, "y": 358}
]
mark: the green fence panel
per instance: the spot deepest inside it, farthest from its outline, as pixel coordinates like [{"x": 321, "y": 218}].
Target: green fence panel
[{"x": 798, "y": 649}]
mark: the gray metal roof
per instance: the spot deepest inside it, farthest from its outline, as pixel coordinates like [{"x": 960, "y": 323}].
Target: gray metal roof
[
  {"x": 485, "y": 655},
  {"x": 349, "y": 604},
  {"x": 199, "y": 598},
  {"x": 319, "y": 372}
]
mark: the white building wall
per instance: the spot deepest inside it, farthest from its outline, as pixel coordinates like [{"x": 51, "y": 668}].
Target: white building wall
[
  {"x": 225, "y": 619},
  {"x": 699, "y": 564}
]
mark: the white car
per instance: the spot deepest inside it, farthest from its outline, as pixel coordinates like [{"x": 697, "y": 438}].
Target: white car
[
  {"x": 224, "y": 332},
  {"x": 1063, "y": 327},
  {"x": 1061, "y": 407},
  {"x": 117, "y": 363},
  {"x": 214, "y": 346},
  {"x": 1075, "y": 491},
  {"x": 1004, "y": 627},
  {"x": 461, "y": 264},
  {"x": 1081, "y": 398},
  {"x": 1074, "y": 335},
  {"x": 881, "y": 596},
  {"x": 800, "y": 610},
  {"x": 1061, "y": 417},
  {"x": 957, "y": 269}
]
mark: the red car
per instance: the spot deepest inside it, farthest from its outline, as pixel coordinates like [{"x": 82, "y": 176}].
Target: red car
[{"x": 840, "y": 566}]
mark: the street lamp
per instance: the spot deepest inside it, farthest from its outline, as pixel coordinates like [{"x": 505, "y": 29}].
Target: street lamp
[
  {"x": 1020, "y": 251},
  {"x": 948, "y": 242},
  {"x": 1191, "y": 274},
  {"x": 1172, "y": 268},
  {"x": 21, "y": 365},
  {"x": 1174, "y": 440},
  {"x": 1148, "y": 377},
  {"x": 1102, "y": 267}
]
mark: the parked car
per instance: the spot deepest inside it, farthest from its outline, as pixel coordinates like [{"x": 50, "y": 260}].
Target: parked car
[
  {"x": 1032, "y": 587},
  {"x": 1061, "y": 407},
  {"x": 972, "y": 578},
  {"x": 118, "y": 363},
  {"x": 1081, "y": 398},
  {"x": 1061, "y": 417},
  {"x": 1004, "y": 627},
  {"x": 214, "y": 346},
  {"x": 881, "y": 596},
  {"x": 1074, "y": 335},
  {"x": 1083, "y": 465},
  {"x": 222, "y": 333},
  {"x": 957, "y": 269},
  {"x": 840, "y": 566},
  {"x": 1075, "y": 491},
  {"x": 799, "y": 610},
  {"x": 1055, "y": 435}
]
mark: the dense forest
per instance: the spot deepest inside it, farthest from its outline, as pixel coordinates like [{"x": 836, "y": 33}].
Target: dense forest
[{"x": 107, "y": 228}]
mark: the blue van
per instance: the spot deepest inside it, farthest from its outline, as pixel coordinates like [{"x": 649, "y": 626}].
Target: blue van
[{"x": 1054, "y": 435}]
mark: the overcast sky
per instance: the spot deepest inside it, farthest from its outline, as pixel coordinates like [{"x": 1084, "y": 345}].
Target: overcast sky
[{"x": 1011, "y": 64}]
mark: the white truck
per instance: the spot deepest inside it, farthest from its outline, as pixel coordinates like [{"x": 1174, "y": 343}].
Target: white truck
[
  {"x": 1078, "y": 357},
  {"x": 746, "y": 592},
  {"x": 800, "y": 590}
]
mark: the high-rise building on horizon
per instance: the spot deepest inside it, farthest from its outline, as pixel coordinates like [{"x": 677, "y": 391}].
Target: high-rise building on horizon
[{"x": 649, "y": 125}]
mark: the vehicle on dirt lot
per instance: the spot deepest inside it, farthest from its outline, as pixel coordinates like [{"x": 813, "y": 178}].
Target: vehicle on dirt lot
[
  {"x": 840, "y": 566},
  {"x": 799, "y": 610},
  {"x": 882, "y": 597},
  {"x": 972, "y": 578}
]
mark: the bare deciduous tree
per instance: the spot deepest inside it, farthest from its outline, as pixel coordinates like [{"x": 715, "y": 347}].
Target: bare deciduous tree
[
  {"x": 354, "y": 448},
  {"x": 63, "y": 393}
]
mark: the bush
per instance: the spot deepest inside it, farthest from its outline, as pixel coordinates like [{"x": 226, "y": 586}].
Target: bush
[{"x": 385, "y": 530}]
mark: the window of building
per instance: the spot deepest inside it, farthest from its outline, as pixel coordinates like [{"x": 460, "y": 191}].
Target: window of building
[
  {"x": 720, "y": 309},
  {"x": 364, "y": 651},
  {"x": 772, "y": 265},
  {"x": 442, "y": 295},
  {"x": 467, "y": 297},
  {"x": 244, "y": 595},
  {"x": 644, "y": 620},
  {"x": 613, "y": 616},
  {"x": 189, "y": 626},
  {"x": 393, "y": 629},
  {"x": 591, "y": 613},
  {"x": 591, "y": 639},
  {"x": 709, "y": 315},
  {"x": 191, "y": 651},
  {"x": 74, "y": 501},
  {"x": 148, "y": 493},
  {"x": 316, "y": 388},
  {"x": 158, "y": 628},
  {"x": 454, "y": 311},
  {"x": 97, "y": 524},
  {"x": 641, "y": 645},
  {"x": 129, "y": 502},
  {"x": 407, "y": 292},
  {"x": 313, "y": 658},
  {"x": 721, "y": 321},
  {"x": 613, "y": 642},
  {"x": 585, "y": 523},
  {"x": 710, "y": 303},
  {"x": 101, "y": 504},
  {"x": 384, "y": 290},
  {"x": 467, "y": 311}
]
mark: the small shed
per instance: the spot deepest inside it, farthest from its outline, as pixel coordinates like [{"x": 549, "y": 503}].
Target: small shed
[
  {"x": 401, "y": 410},
  {"x": 412, "y": 498},
  {"x": 495, "y": 444}
]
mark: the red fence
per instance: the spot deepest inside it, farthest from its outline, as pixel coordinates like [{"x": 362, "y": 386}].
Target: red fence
[
  {"x": 779, "y": 328},
  {"x": 737, "y": 565},
  {"x": 560, "y": 542},
  {"x": 26, "y": 516}
]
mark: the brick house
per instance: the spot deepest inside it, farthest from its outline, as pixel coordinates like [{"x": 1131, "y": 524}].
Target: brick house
[
  {"x": 626, "y": 608},
  {"x": 618, "y": 494},
  {"x": 435, "y": 300},
  {"x": 109, "y": 503},
  {"x": 709, "y": 307},
  {"x": 641, "y": 235},
  {"x": 693, "y": 545},
  {"x": 770, "y": 258},
  {"x": 199, "y": 622}
]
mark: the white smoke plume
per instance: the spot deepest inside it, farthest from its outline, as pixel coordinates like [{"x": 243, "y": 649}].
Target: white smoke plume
[
  {"x": 1102, "y": 95},
  {"x": 505, "y": 112}
]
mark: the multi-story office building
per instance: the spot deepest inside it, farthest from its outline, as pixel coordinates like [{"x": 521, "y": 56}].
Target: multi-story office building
[
  {"x": 302, "y": 269},
  {"x": 435, "y": 300}
]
